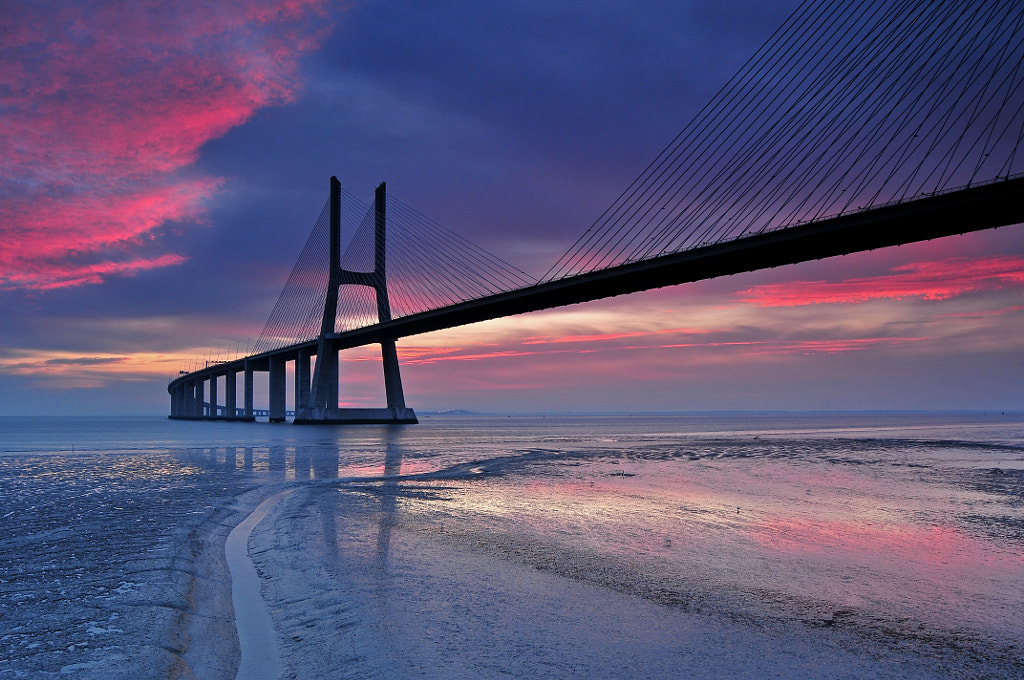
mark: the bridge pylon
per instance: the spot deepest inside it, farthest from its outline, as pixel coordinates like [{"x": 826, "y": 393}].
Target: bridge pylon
[{"x": 319, "y": 403}]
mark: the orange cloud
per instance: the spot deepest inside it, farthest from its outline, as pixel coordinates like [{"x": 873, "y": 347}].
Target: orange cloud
[
  {"x": 70, "y": 370},
  {"x": 939, "y": 280},
  {"x": 106, "y": 106},
  {"x": 423, "y": 356}
]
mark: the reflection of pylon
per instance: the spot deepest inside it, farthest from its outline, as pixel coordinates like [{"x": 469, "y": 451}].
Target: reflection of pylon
[{"x": 321, "y": 401}]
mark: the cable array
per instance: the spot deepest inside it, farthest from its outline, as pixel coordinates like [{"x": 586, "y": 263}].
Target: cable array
[
  {"x": 305, "y": 290},
  {"x": 428, "y": 267},
  {"x": 848, "y": 106},
  {"x": 299, "y": 309}
]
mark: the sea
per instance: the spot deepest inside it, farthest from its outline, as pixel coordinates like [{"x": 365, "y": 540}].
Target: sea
[{"x": 721, "y": 545}]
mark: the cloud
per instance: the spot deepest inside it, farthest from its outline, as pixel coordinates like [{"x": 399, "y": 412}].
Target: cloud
[
  {"x": 84, "y": 361},
  {"x": 64, "y": 369},
  {"x": 982, "y": 313},
  {"x": 50, "y": 274},
  {"x": 940, "y": 280},
  {"x": 106, "y": 107},
  {"x": 605, "y": 337}
]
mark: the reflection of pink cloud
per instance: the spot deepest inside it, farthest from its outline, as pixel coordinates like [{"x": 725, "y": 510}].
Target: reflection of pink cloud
[
  {"x": 107, "y": 105},
  {"x": 927, "y": 280},
  {"x": 937, "y": 545}
]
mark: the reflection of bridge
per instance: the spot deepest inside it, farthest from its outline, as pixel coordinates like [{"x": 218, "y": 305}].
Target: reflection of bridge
[{"x": 901, "y": 125}]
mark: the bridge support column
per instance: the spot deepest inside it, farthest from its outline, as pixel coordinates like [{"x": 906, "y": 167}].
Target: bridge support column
[
  {"x": 302, "y": 378},
  {"x": 200, "y": 398},
  {"x": 231, "y": 394},
  {"x": 213, "y": 396},
  {"x": 278, "y": 396},
  {"x": 190, "y": 399},
  {"x": 248, "y": 390},
  {"x": 323, "y": 403},
  {"x": 332, "y": 373},
  {"x": 392, "y": 377}
]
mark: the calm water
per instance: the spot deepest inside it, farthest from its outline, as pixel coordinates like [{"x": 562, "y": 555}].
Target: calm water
[{"x": 905, "y": 528}]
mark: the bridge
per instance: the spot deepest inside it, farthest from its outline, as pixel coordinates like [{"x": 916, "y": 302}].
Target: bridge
[{"x": 865, "y": 126}]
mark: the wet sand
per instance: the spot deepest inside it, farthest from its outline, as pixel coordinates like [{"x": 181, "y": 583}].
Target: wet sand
[
  {"x": 548, "y": 550},
  {"x": 360, "y": 589}
]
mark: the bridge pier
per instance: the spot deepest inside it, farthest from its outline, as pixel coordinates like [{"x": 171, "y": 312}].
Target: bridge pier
[
  {"x": 303, "y": 361},
  {"x": 392, "y": 377},
  {"x": 176, "y": 402},
  {"x": 213, "y": 397},
  {"x": 278, "y": 396},
  {"x": 248, "y": 391},
  {"x": 231, "y": 396},
  {"x": 190, "y": 399},
  {"x": 200, "y": 398}
]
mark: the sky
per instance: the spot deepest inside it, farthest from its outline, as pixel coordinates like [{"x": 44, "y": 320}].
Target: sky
[{"x": 162, "y": 164}]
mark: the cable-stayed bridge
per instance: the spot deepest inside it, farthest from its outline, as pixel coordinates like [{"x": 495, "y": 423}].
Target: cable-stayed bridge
[{"x": 856, "y": 126}]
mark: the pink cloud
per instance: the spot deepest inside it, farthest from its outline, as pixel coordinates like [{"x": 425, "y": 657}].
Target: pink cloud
[
  {"x": 766, "y": 347},
  {"x": 105, "y": 108},
  {"x": 96, "y": 273},
  {"x": 828, "y": 346},
  {"x": 424, "y": 359},
  {"x": 424, "y": 356},
  {"x": 605, "y": 337},
  {"x": 939, "y": 280}
]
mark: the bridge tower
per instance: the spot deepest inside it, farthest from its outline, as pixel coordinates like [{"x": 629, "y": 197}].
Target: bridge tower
[{"x": 318, "y": 403}]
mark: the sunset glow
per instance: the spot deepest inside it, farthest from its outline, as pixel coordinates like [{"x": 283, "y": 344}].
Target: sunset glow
[{"x": 926, "y": 280}]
